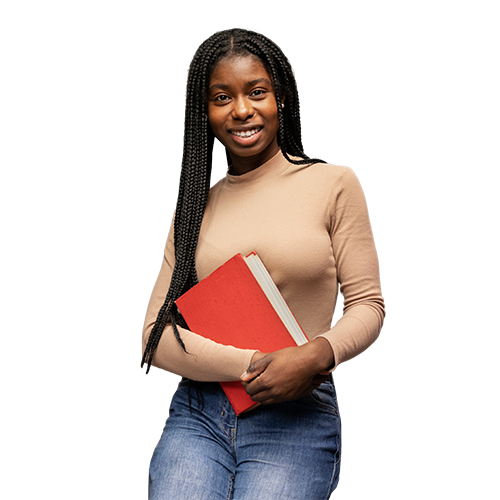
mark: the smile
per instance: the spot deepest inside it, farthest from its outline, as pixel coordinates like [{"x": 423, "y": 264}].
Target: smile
[{"x": 247, "y": 133}]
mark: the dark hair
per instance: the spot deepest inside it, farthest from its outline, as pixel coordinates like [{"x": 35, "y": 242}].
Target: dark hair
[{"x": 197, "y": 156}]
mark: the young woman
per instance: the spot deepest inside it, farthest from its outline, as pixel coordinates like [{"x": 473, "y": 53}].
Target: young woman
[{"x": 309, "y": 224}]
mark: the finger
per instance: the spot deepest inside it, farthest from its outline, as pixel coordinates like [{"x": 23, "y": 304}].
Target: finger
[
  {"x": 315, "y": 383},
  {"x": 254, "y": 386},
  {"x": 265, "y": 397}
]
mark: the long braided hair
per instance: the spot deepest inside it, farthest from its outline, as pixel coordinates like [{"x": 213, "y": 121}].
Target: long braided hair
[{"x": 197, "y": 155}]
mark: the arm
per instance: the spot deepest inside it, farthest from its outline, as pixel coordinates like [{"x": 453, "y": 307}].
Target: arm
[
  {"x": 294, "y": 372},
  {"x": 358, "y": 272},
  {"x": 205, "y": 360}
]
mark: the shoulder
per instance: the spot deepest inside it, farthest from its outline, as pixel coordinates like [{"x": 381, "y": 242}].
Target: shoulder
[
  {"x": 330, "y": 170},
  {"x": 336, "y": 186},
  {"x": 326, "y": 175}
]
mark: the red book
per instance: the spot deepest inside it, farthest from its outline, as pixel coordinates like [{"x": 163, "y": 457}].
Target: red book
[{"x": 239, "y": 305}]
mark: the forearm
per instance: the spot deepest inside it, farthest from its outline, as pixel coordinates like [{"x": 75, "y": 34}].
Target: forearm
[
  {"x": 358, "y": 328},
  {"x": 204, "y": 360}
]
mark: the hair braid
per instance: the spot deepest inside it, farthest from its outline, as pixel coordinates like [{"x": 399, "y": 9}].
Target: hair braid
[{"x": 196, "y": 169}]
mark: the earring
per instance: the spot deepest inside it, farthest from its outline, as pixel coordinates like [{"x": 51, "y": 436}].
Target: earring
[{"x": 282, "y": 104}]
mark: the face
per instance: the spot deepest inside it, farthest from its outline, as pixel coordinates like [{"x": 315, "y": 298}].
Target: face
[{"x": 242, "y": 112}]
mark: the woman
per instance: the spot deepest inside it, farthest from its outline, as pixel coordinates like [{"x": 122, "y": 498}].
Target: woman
[{"x": 309, "y": 224}]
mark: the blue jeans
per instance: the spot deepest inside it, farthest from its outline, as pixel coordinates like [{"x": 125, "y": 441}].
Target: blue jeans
[{"x": 282, "y": 451}]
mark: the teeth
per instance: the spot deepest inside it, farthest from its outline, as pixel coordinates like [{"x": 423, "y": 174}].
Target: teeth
[{"x": 248, "y": 133}]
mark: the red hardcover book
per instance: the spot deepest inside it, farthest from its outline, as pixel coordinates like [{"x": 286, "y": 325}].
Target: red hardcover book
[{"x": 239, "y": 305}]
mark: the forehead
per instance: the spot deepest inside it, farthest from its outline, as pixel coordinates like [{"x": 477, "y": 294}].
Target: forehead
[{"x": 239, "y": 69}]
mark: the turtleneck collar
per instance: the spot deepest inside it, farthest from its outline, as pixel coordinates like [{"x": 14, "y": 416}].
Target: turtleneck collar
[{"x": 273, "y": 167}]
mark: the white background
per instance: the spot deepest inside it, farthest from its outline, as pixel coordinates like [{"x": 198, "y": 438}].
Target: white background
[{"x": 70, "y": 247}]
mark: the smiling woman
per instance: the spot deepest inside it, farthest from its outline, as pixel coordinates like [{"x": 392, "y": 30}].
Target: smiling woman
[{"x": 309, "y": 223}]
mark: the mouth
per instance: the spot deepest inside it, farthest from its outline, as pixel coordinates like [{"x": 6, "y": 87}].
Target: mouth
[{"x": 246, "y": 133}]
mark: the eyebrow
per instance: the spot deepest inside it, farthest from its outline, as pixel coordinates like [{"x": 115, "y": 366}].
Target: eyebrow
[{"x": 224, "y": 86}]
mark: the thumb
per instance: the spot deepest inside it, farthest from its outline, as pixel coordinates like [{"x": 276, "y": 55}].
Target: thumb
[{"x": 256, "y": 368}]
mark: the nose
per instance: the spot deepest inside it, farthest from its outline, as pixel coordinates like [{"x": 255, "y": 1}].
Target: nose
[{"x": 242, "y": 109}]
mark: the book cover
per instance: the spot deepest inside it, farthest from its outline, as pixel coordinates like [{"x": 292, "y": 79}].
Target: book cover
[{"x": 230, "y": 307}]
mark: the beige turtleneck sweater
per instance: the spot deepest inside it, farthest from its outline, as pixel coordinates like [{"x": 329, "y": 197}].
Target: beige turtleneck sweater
[{"x": 310, "y": 227}]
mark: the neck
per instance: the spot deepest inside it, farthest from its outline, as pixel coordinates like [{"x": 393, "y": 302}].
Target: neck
[{"x": 241, "y": 164}]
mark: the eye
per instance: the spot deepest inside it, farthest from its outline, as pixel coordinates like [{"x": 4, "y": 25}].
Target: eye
[
  {"x": 221, "y": 98},
  {"x": 258, "y": 93}
]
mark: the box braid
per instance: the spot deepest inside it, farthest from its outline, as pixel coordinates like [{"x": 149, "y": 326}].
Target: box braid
[{"x": 197, "y": 155}]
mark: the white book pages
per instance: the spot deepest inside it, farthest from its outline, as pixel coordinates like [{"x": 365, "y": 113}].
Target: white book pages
[{"x": 273, "y": 294}]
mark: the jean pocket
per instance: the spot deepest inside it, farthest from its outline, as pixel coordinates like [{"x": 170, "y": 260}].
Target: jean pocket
[{"x": 324, "y": 396}]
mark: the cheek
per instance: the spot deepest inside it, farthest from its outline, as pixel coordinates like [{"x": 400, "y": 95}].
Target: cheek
[
  {"x": 217, "y": 127},
  {"x": 275, "y": 124},
  {"x": 272, "y": 115},
  {"x": 214, "y": 123}
]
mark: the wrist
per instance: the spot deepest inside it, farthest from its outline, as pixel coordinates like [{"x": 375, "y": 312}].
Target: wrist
[
  {"x": 256, "y": 356},
  {"x": 324, "y": 359}
]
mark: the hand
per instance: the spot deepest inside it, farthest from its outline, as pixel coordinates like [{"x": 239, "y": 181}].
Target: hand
[{"x": 289, "y": 373}]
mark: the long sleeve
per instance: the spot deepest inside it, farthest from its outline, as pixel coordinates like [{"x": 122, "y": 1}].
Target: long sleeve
[
  {"x": 309, "y": 224},
  {"x": 357, "y": 271},
  {"x": 205, "y": 360}
]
